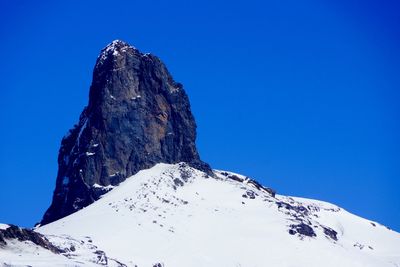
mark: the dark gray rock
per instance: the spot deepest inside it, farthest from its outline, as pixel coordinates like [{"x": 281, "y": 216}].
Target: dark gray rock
[
  {"x": 250, "y": 181},
  {"x": 302, "y": 229},
  {"x": 329, "y": 232},
  {"x": 299, "y": 210},
  {"x": 137, "y": 116},
  {"x": 259, "y": 186},
  {"x": 23, "y": 234}
]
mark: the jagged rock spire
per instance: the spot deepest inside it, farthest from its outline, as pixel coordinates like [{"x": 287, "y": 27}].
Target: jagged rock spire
[{"x": 137, "y": 116}]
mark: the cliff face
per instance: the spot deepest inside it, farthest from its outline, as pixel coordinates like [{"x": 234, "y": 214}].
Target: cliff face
[{"x": 137, "y": 116}]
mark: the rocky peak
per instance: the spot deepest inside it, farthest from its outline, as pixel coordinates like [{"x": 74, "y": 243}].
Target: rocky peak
[{"x": 137, "y": 116}]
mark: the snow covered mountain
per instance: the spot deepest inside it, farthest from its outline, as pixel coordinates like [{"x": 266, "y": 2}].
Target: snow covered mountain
[
  {"x": 137, "y": 116},
  {"x": 131, "y": 190},
  {"x": 175, "y": 215}
]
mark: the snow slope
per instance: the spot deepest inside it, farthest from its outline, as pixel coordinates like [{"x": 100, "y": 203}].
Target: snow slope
[{"x": 173, "y": 215}]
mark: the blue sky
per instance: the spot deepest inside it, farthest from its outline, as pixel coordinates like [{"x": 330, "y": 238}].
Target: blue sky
[{"x": 301, "y": 95}]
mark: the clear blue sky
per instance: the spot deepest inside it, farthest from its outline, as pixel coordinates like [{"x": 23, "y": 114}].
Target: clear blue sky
[{"x": 302, "y": 95}]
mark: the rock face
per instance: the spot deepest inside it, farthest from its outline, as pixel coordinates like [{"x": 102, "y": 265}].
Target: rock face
[
  {"x": 137, "y": 116},
  {"x": 21, "y": 234}
]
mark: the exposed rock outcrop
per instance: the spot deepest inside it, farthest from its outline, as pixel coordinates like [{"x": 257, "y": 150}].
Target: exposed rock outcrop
[
  {"x": 23, "y": 234},
  {"x": 137, "y": 116}
]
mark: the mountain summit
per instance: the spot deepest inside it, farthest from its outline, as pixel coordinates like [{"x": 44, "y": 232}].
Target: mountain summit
[
  {"x": 137, "y": 116},
  {"x": 173, "y": 210}
]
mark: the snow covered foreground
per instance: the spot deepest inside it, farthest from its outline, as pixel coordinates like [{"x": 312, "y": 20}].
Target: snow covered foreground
[{"x": 174, "y": 215}]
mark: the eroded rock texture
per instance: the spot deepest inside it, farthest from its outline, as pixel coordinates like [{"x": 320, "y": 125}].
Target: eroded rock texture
[{"x": 137, "y": 116}]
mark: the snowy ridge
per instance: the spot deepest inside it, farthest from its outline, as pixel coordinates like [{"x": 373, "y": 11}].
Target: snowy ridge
[
  {"x": 112, "y": 49},
  {"x": 3, "y": 226},
  {"x": 174, "y": 215}
]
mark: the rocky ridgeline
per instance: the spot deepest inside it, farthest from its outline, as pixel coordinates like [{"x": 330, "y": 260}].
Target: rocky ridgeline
[
  {"x": 137, "y": 116},
  {"x": 23, "y": 234}
]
